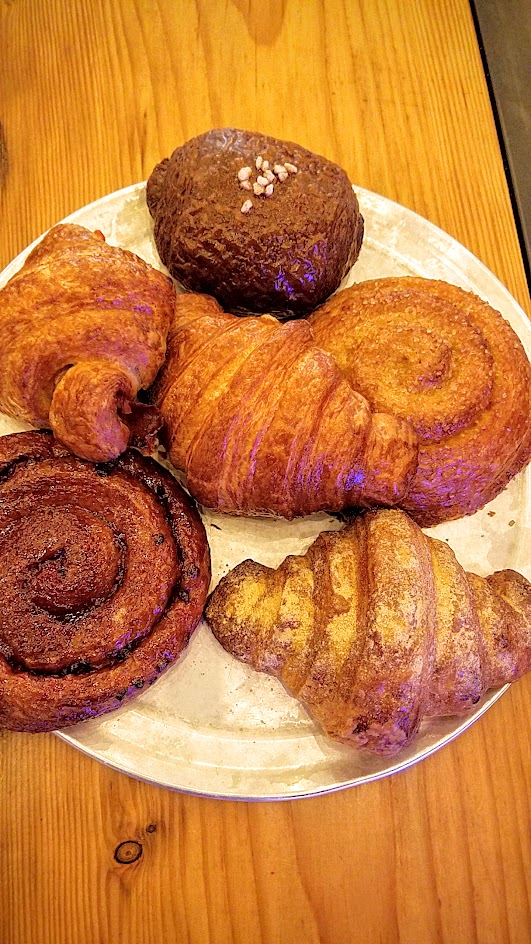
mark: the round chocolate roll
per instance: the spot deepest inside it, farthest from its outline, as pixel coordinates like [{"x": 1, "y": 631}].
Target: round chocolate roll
[{"x": 262, "y": 225}]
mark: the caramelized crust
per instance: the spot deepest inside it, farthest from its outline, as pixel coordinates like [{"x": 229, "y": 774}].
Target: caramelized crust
[
  {"x": 262, "y": 421},
  {"x": 376, "y": 627},
  {"x": 447, "y": 362},
  {"x": 104, "y": 572},
  {"x": 83, "y": 327},
  {"x": 286, "y": 255}
]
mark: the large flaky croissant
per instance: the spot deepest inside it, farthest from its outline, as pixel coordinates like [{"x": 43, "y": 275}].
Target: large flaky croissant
[
  {"x": 376, "y": 627},
  {"x": 261, "y": 421},
  {"x": 450, "y": 364},
  {"x": 83, "y": 328}
]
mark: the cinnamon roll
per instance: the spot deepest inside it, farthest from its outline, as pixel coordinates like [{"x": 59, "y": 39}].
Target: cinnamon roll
[
  {"x": 104, "y": 571},
  {"x": 444, "y": 360}
]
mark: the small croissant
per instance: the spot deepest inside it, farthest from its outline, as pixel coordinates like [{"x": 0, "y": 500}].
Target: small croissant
[
  {"x": 375, "y": 628},
  {"x": 83, "y": 328},
  {"x": 263, "y": 422}
]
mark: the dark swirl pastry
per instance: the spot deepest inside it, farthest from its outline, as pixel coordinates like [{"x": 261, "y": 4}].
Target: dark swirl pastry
[
  {"x": 262, "y": 225},
  {"x": 447, "y": 362},
  {"x": 104, "y": 572},
  {"x": 83, "y": 328}
]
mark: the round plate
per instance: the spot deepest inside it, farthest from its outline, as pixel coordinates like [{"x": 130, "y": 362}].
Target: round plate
[{"x": 213, "y": 726}]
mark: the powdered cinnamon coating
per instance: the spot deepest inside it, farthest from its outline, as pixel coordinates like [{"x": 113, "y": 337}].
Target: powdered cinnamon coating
[{"x": 376, "y": 628}]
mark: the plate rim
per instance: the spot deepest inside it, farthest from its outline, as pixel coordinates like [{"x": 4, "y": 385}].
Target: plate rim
[{"x": 493, "y": 696}]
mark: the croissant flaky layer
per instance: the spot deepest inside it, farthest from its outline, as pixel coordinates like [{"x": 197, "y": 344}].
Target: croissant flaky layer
[
  {"x": 261, "y": 421},
  {"x": 376, "y": 627},
  {"x": 448, "y": 362},
  {"x": 83, "y": 327}
]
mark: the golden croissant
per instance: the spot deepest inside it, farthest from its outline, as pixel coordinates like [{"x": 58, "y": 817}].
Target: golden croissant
[
  {"x": 83, "y": 328},
  {"x": 377, "y": 627},
  {"x": 261, "y": 421},
  {"x": 450, "y": 364}
]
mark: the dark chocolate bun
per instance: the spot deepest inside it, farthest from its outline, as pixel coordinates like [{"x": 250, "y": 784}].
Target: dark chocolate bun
[{"x": 282, "y": 252}]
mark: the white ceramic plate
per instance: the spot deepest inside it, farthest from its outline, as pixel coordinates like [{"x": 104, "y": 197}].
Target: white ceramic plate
[{"x": 213, "y": 726}]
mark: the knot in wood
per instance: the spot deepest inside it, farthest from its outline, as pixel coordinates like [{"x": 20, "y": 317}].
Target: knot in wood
[{"x": 128, "y": 852}]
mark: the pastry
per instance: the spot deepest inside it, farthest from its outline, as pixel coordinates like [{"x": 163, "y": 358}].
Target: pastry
[
  {"x": 261, "y": 224},
  {"x": 262, "y": 422},
  {"x": 104, "y": 571},
  {"x": 447, "y": 362},
  {"x": 375, "y": 628},
  {"x": 82, "y": 329}
]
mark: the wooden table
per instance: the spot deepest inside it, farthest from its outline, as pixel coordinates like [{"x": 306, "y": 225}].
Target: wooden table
[{"x": 92, "y": 94}]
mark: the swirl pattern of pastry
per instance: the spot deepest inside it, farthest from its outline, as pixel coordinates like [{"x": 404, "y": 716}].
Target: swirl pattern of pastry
[
  {"x": 104, "y": 572},
  {"x": 447, "y": 362},
  {"x": 83, "y": 328}
]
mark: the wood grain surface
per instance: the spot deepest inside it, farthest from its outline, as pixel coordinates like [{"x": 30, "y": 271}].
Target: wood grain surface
[{"x": 92, "y": 94}]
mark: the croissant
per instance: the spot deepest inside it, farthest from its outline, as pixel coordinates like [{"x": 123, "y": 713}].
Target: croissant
[
  {"x": 83, "y": 327},
  {"x": 104, "y": 571},
  {"x": 376, "y": 627},
  {"x": 447, "y": 362},
  {"x": 262, "y": 422}
]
